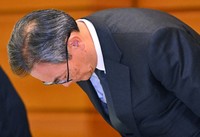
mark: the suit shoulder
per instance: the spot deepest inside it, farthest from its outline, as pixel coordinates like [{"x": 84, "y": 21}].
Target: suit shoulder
[{"x": 134, "y": 20}]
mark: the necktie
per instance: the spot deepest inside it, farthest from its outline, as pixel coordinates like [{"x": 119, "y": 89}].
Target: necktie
[{"x": 113, "y": 118}]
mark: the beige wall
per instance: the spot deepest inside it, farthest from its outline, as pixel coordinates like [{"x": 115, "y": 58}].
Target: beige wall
[{"x": 57, "y": 111}]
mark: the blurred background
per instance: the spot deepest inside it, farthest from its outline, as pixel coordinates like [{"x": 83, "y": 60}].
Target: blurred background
[{"x": 56, "y": 111}]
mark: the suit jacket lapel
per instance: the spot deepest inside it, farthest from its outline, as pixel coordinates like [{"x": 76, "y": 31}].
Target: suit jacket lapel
[
  {"x": 119, "y": 83},
  {"x": 90, "y": 91}
]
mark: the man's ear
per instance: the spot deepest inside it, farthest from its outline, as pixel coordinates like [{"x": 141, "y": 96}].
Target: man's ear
[{"x": 75, "y": 41}]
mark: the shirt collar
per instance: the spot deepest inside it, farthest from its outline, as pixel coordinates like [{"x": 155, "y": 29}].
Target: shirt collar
[{"x": 100, "y": 61}]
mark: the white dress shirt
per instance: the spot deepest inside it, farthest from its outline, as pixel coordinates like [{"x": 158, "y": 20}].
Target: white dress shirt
[{"x": 100, "y": 62}]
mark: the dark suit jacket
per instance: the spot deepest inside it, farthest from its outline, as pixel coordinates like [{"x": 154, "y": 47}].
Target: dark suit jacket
[
  {"x": 13, "y": 118},
  {"x": 152, "y": 63}
]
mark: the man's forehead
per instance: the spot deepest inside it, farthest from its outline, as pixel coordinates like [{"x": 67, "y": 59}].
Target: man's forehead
[{"x": 47, "y": 71}]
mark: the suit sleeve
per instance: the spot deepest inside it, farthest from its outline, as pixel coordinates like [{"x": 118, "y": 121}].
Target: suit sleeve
[
  {"x": 174, "y": 59},
  {"x": 13, "y": 117}
]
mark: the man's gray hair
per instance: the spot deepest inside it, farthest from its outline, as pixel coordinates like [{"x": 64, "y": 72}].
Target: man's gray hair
[{"x": 40, "y": 36}]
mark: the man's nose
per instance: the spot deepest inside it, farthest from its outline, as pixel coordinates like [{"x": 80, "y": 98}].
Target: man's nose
[{"x": 67, "y": 84}]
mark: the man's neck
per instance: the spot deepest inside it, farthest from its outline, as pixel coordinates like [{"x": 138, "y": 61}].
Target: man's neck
[{"x": 87, "y": 38}]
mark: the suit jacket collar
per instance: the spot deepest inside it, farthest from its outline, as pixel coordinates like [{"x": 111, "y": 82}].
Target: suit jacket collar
[{"x": 119, "y": 83}]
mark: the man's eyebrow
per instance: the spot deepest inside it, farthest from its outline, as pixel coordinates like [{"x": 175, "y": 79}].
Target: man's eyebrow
[
  {"x": 58, "y": 77},
  {"x": 55, "y": 80}
]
